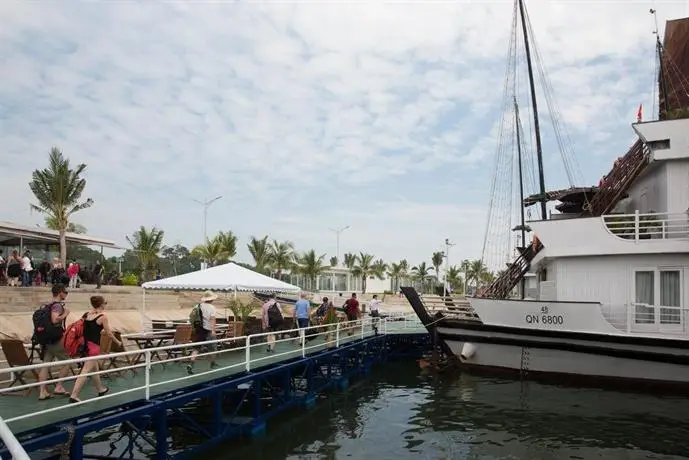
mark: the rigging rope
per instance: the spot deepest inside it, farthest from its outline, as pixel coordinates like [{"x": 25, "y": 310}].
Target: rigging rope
[{"x": 503, "y": 208}]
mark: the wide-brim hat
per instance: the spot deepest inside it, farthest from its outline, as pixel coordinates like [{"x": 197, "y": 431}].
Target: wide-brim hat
[{"x": 208, "y": 296}]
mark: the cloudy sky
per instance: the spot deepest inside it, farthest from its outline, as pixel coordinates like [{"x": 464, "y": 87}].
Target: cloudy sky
[{"x": 305, "y": 116}]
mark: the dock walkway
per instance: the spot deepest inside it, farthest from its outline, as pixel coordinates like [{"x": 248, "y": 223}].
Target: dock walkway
[{"x": 135, "y": 385}]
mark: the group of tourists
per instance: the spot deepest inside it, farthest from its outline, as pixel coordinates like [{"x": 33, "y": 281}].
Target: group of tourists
[
  {"x": 58, "y": 342},
  {"x": 305, "y": 316}
]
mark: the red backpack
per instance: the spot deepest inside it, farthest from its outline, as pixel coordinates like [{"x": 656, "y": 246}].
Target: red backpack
[{"x": 74, "y": 342}]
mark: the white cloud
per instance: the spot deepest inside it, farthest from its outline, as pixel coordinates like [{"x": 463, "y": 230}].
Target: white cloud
[{"x": 315, "y": 112}]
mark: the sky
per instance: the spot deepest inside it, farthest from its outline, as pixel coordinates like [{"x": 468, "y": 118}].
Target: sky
[{"x": 306, "y": 116}]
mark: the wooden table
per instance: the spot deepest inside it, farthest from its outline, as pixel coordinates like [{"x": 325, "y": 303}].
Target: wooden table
[{"x": 147, "y": 340}]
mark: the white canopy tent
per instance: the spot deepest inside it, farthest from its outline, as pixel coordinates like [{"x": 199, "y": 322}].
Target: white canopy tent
[{"x": 228, "y": 277}]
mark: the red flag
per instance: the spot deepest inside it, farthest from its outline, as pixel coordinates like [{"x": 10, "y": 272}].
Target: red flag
[{"x": 640, "y": 113}]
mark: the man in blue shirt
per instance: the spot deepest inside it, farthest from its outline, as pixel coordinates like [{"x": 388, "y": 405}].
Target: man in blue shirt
[{"x": 301, "y": 311}]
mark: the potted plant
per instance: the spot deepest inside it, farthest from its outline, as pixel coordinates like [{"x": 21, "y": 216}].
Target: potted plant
[
  {"x": 330, "y": 321},
  {"x": 241, "y": 312}
]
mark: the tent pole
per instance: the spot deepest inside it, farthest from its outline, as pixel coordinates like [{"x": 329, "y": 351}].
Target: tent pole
[
  {"x": 142, "y": 312},
  {"x": 235, "y": 293}
]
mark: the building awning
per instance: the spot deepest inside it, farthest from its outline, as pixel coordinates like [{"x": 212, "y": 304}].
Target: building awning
[{"x": 12, "y": 234}]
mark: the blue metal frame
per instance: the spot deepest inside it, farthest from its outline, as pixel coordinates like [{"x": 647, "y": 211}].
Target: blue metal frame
[{"x": 240, "y": 405}]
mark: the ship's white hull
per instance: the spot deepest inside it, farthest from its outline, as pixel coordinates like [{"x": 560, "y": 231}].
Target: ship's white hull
[{"x": 577, "y": 357}]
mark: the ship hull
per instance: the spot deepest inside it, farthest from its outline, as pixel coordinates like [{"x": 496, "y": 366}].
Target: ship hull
[{"x": 569, "y": 357}]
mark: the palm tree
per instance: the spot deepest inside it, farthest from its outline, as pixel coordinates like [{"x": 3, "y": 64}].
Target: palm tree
[
  {"x": 333, "y": 261},
  {"x": 437, "y": 261},
  {"x": 454, "y": 279},
  {"x": 404, "y": 268},
  {"x": 213, "y": 252},
  {"x": 379, "y": 267},
  {"x": 476, "y": 271},
  {"x": 363, "y": 268},
  {"x": 260, "y": 251},
  {"x": 72, "y": 227},
  {"x": 349, "y": 260},
  {"x": 310, "y": 265},
  {"x": 58, "y": 190},
  {"x": 147, "y": 244},
  {"x": 420, "y": 273},
  {"x": 395, "y": 273},
  {"x": 281, "y": 256},
  {"x": 228, "y": 242}
]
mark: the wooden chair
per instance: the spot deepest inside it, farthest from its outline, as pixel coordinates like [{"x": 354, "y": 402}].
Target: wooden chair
[
  {"x": 182, "y": 336},
  {"x": 107, "y": 347},
  {"x": 15, "y": 354}
]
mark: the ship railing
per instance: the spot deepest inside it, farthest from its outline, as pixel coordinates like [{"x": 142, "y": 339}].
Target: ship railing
[
  {"x": 15, "y": 449},
  {"x": 453, "y": 306},
  {"x": 638, "y": 317},
  {"x": 248, "y": 352},
  {"x": 648, "y": 226}
]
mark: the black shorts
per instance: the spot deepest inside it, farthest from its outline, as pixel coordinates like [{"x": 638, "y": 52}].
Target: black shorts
[
  {"x": 351, "y": 316},
  {"x": 202, "y": 335}
]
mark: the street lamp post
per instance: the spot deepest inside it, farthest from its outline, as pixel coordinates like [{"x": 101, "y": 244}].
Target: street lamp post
[
  {"x": 206, "y": 204},
  {"x": 448, "y": 245},
  {"x": 337, "y": 232}
]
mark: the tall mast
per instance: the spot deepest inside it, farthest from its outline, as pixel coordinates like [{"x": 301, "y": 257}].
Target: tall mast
[
  {"x": 517, "y": 123},
  {"x": 663, "y": 103},
  {"x": 534, "y": 104}
]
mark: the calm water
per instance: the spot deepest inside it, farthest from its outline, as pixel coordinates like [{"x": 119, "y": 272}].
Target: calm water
[{"x": 401, "y": 413}]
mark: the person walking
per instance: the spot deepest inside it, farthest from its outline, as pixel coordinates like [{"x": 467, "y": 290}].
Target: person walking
[
  {"x": 202, "y": 321},
  {"x": 98, "y": 273},
  {"x": 301, "y": 314},
  {"x": 27, "y": 268},
  {"x": 271, "y": 320},
  {"x": 56, "y": 314},
  {"x": 13, "y": 269},
  {"x": 351, "y": 309},
  {"x": 95, "y": 323}
]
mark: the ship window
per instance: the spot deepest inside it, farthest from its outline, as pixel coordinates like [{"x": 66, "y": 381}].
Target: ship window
[
  {"x": 670, "y": 293},
  {"x": 659, "y": 145},
  {"x": 644, "y": 285}
]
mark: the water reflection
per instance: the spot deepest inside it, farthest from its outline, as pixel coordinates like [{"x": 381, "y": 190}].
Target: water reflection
[{"x": 400, "y": 413}]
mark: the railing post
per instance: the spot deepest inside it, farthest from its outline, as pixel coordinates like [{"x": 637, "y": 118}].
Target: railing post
[
  {"x": 385, "y": 325},
  {"x": 337, "y": 335},
  {"x": 247, "y": 353},
  {"x": 148, "y": 375},
  {"x": 363, "y": 322},
  {"x": 629, "y": 317},
  {"x": 636, "y": 225},
  {"x": 302, "y": 332}
]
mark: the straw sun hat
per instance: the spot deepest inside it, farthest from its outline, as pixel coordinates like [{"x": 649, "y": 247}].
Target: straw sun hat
[{"x": 208, "y": 296}]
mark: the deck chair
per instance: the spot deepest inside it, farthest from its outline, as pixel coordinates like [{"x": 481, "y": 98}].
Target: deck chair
[
  {"x": 15, "y": 354},
  {"x": 107, "y": 347},
  {"x": 182, "y": 336}
]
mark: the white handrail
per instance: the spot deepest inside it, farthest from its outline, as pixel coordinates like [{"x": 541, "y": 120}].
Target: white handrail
[
  {"x": 639, "y": 226},
  {"x": 654, "y": 319},
  {"x": 246, "y": 341},
  {"x": 15, "y": 449}
]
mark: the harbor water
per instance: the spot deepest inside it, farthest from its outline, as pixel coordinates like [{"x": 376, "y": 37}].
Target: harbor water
[{"x": 401, "y": 412}]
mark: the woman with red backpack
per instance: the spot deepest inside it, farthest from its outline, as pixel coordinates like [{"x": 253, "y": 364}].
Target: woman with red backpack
[{"x": 95, "y": 323}]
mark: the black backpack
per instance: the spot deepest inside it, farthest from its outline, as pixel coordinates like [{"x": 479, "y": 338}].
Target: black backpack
[
  {"x": 44, "y": 331},
  {"x": 275, "y": 319}
]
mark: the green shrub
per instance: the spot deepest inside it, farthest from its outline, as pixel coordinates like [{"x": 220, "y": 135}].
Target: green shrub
[{"x": 130, "y": 279}]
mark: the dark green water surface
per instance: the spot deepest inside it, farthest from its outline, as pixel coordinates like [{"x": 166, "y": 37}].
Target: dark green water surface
[{"x": 401, "y": 413}]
